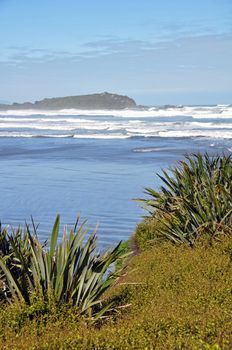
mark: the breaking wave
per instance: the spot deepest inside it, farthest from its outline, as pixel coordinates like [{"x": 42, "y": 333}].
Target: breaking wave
[
  {"x": 180, "y": 122},
  {"x": 216, "y": 111}
]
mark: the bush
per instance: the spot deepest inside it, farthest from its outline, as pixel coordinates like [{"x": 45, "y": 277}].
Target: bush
[
  {"x": 69, "y": 273},
  {"x": 194, "y": 201},
  {"x": 147, "y": 233}
]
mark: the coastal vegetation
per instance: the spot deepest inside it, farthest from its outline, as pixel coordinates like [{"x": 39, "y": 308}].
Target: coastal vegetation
[
  {"x": 67, "y": 273},
  {"x": 174, "y": 292},
  {"x": 194, "y": 201}
]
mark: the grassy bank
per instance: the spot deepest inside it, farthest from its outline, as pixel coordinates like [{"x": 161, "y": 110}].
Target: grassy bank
[
  {"x": 174, "y": 293},
  {"x": 178, "y": 297}
]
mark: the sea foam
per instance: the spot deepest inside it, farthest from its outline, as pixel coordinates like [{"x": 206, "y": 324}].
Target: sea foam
[{"x": 188, "y": 121}]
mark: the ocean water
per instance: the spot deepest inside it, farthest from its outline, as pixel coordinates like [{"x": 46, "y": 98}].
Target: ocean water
[{"x": 96, "y": 162}]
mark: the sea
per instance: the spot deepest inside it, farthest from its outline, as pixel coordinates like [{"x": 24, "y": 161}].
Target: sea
[{"x": 97, "y": 163}]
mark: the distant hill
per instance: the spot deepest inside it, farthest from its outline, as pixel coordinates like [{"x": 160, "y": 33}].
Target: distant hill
[{"x": 94, "y": 101}]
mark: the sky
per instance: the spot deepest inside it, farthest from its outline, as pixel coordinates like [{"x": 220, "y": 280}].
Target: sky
[{"x": 158, "y": 52}]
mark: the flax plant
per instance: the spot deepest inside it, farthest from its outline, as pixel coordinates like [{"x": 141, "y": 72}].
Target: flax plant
[
  {"x": 70, "y": 272},
  {"x": 194, "y": 200}
]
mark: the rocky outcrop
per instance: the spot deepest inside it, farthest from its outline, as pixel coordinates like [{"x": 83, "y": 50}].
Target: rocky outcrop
[{"x": 94, "y": 101}]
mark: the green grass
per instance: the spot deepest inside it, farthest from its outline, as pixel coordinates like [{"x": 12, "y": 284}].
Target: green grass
[{"x": 176, "y": 297}]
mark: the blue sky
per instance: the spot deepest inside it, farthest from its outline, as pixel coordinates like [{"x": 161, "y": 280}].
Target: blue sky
[{"x": 158, "y": 52}]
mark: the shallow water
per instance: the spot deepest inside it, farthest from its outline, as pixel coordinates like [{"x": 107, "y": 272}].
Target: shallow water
[{"x": 96, "y": 177}]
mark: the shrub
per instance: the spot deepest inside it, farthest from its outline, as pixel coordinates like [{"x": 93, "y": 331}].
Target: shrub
[
  {"x": 195, "y": 199},
  {"x": 70, "y": 273},
  {"x": 147, "y": 233}
]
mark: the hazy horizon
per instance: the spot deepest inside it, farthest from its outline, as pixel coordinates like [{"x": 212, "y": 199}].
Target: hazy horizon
[{"x": 139, "y": 104}]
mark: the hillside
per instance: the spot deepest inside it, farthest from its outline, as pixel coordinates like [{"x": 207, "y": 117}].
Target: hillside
[{"x": 94, "y": 101}]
